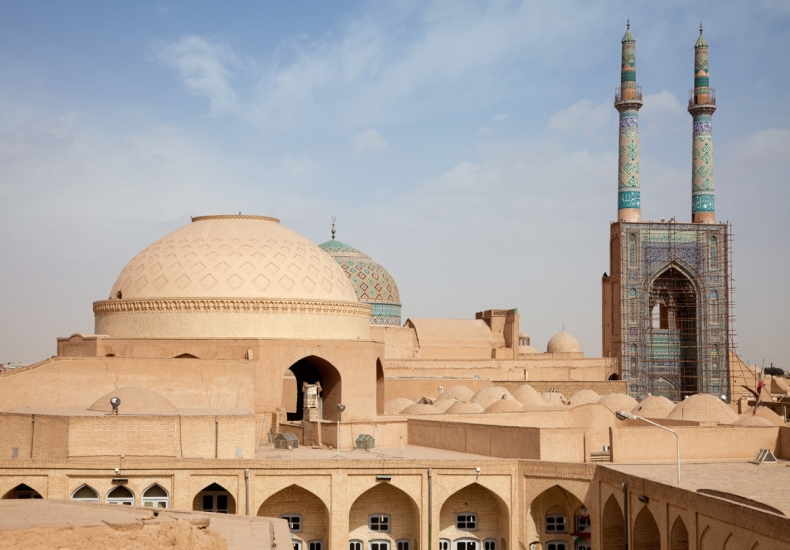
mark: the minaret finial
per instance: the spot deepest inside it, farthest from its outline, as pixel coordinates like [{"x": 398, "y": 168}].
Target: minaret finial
[
  {"x": 627, "y": 24},
  {"x": 333, "y": 226},
  {"x": 700, "y": 28}
]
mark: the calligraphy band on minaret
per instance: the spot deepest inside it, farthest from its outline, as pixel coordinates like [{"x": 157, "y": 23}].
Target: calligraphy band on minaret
[{"x": 628, "y": 101}]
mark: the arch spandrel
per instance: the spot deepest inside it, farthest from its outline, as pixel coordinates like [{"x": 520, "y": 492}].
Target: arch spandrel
[
  {"x": 684, "y": 269},
  {"x": 499, "y": 485},
  {"x": 410, "y": 485},
  {"x": 264, "y": 486}
]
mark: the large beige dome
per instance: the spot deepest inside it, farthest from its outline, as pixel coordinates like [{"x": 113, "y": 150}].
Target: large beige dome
[{"x": 277, "y": 282}]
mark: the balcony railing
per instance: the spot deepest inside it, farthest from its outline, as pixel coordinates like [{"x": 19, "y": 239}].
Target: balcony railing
[
  {"x": 702, "y": 99},
  {"x": 627, "y": 94}
]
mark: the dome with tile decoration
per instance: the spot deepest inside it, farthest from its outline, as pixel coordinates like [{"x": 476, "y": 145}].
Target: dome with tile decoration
[
  {"x": 563, "y": 342},
  {"x": 280, "y": 283},
  {"x": 372, "y": 283}
]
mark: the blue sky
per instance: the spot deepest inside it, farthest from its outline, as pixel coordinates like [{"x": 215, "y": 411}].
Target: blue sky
[{"x": 469, "y": 147}]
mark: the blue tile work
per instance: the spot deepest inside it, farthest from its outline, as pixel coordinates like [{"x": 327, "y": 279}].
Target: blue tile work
[
  {"x": 661, "y": 361},
  {"x": 372, "y": 283}
]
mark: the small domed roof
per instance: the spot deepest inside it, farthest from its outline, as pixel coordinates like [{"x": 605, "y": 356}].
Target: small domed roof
[
  {"x": 444, "y": 404},
  {"x": 526, "y": 350},
  {"x": 464, "y": 407},
  {"x": 134, "y": 400},
  {"x": 553, "y": 398},
  {"x": 703, "y": 407},
  {"x": 420, "y": 409},
  {"x": 749, "y": 420},
  {"x": 502, "y": 406},
  {"x": 654, "y": 406},
  {"x": 584, "y": 397},
  {"x": 618, "y": 402},
  {"x": 489, "y": 395},
  {"x": 527, "y": 395},
  {"x": 462, "y": 393},
  {"x": 395, "y": 406},
  {"x": 372, "y": 283},
  {"x": 563, "y": 342}
]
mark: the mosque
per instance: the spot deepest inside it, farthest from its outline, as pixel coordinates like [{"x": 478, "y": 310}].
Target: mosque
[{"x": 237, "y": 368}]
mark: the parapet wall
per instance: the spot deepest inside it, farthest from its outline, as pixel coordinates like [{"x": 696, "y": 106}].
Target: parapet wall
[{"x": 167, "y": 436}]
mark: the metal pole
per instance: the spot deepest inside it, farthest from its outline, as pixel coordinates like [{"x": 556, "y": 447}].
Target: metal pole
[
  {"x": 677, "y": 439},
  {"x": 337, "y": 441},
  {"x": 624, "y": 486},
  {"x": 430, "y": 509}
]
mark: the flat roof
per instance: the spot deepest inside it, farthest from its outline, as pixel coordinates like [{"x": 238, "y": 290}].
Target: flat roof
[
  {"x": 763, "y": 483},
  {"x": 411, "y": 452}
]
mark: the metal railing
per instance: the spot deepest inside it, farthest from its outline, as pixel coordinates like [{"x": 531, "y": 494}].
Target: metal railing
[
  {"x": 634, "y": 93},
  {"x": 700, "y": 99}
]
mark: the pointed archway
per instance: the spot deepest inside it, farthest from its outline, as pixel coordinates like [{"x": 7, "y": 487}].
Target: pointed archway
[
  {"x": 679, "y": 537},
  {"x": 612, "y": 526},
  {"x": 312, "y": 370},
  {"x": 646, "y": 534},
  {"x": 555, "y": 514},
  {"x": 387, "y": 514},
  {"x": 21, "y": 492},
  {"x": 306, "y": 514},
  {"x": 474, "y": 518}
]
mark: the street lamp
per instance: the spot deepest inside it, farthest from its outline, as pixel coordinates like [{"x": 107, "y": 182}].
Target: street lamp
[
  {"x": 340, "y": 408},
  {"x": 621, "y": 415}
]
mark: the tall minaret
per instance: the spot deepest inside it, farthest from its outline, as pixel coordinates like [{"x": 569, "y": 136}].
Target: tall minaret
[
  {"x": 702, "y": 105},
  {"x": 628, "y": 101}
]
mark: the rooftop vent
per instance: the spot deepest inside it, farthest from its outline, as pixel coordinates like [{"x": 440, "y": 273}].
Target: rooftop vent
[
  {"x": 286, "y": 441},
  {"x": 365, "y": 441}
]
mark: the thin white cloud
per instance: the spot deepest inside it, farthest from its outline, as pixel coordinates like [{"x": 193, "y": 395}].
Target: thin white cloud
[
  {"x": 205, "y": 68},
  {"x": 500, "y": 117},
  {"x": 583, "y": 116},
  {"x": 367, "y": 140},
  {"x": 295, "y": 165},
  {"x": 660, "y": 111}
]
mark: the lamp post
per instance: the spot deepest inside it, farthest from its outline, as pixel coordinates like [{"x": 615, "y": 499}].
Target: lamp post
[
  {"x": 340, "y": 408},
  {"x": 628, "y": 416}
]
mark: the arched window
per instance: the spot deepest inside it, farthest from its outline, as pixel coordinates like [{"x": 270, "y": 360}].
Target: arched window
[
  {"x": 214, "y": 498},
  {"x": 556, "y": 523},
  {"x": 466, "y": 521},
  {"x": 315, "y": 545},
  {"x": 379, "y": 523},
  {"x": 379, "y": 545},
  {"x": 156, "y": 497},
  {"x": 489, "y": 544},
  {"x": 632, "y": 305},
  {"x": 556, "y": 545},
  {"x": 714, "y": 307},
  {"x": 444, "y": 544},
  {"x": 403, "y": 544},
  {"x": 714, "y": 253},
  {"x": 632, "y": 250},
  {"x": 22, "y": 492},
  {"x": 121, "y": 495},
  {"x": 355, "y": 545},
  {"x": 85, "y": 493},
  {"x": 466, "y": 544}
]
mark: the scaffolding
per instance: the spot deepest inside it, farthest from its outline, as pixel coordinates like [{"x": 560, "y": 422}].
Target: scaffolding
[{"x": 677, "y": 308}]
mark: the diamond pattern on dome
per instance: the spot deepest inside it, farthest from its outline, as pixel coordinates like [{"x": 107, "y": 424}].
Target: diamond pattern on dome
[{"x": 233, "y": 258}]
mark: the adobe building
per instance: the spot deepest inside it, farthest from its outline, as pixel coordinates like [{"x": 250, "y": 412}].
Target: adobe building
[{"x": 237, "y": 368}]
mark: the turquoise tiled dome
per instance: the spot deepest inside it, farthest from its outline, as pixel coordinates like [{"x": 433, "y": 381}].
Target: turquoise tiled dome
[{"x": 372, "y": 283}]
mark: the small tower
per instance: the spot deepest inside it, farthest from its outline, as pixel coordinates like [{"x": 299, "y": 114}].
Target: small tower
[
  {"x": 702, "y": 105},
  {"x": 628, "y": 101}
]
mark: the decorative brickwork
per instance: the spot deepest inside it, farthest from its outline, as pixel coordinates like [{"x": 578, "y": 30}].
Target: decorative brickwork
[
  {"x": 473, "y": 499},
  {"x": 646, "y": 534},
  {"x": 613, "y": 526},
  {"x": 384, "y": 499},
  {"x": 702, "y": 105},
  {"x": 295, "y": 500}
]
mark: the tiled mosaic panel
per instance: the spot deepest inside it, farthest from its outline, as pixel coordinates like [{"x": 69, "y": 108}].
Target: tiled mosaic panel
[{"x": 651, "y": 360}]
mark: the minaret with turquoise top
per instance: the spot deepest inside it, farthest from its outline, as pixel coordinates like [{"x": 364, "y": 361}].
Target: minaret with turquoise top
[
  {"x": 702, "y": 105},
  {"x": 628, "y": 101}
]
